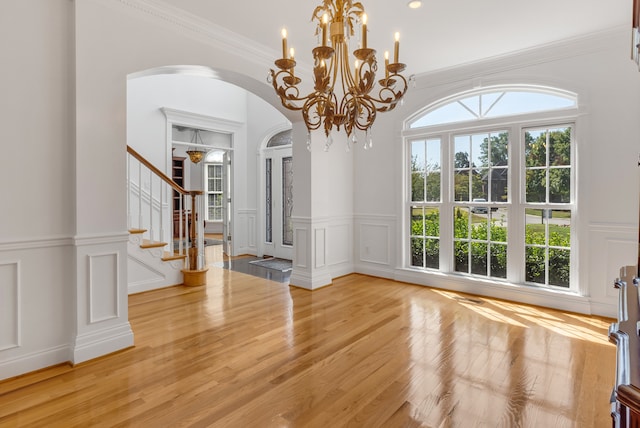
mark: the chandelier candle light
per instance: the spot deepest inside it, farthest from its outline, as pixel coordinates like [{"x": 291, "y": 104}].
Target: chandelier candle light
[{"x": 342, "y": 97}]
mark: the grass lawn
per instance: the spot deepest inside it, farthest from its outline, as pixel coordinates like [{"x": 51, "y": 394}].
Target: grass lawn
[
  {"x": 555, "y": 214},
  {"x": 563, "y": 231}
]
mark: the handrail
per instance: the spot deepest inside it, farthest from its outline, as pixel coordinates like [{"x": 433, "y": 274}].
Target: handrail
[
  {"x": 161, "y": 174},
  {"x": 190, "y": 216}
]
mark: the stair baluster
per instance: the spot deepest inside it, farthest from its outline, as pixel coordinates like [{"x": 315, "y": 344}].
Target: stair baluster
[{"x": 190, "y": 233}]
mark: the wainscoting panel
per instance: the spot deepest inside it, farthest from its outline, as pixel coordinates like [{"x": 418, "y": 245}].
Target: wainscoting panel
[
  {"x": 36, "y": 304},
  {"x": 618, "y": 251},
  {"x": 101, "y": 320},
  {"x": 374, "y": 243},
  {"x": 252, "y": 231},
  {"x": 320, "y": 247},
  {"x": 104, "y": 287},
  {"x": 339, "y": 242},
  {"x": 9, "y": 305},
  {"x": 244, "y": 233},
  {"x": 301, "y": 241},
  {"x": 310, "y": 268},
  {"x": 611, "y": 246}
]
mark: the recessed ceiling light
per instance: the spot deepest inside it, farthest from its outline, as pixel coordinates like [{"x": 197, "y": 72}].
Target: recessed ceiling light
[{"x": 414, "y": 4}]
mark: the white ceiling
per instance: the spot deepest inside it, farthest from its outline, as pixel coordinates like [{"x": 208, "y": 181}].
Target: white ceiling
[{"x": 441, "y": 34}]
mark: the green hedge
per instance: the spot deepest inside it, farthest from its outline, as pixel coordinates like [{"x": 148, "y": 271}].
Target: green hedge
[{"x": 425, "y": 248}]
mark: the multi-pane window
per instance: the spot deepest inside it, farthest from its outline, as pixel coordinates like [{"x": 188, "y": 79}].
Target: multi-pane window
[
  {"x": 481, "y": 171},
  {"x": 425, "y": 198},
  {"x": 214, "y": 191},
  {"x": 548, "y": 175},
  {"x": 480, "y": 167},
  {"x": 501, "y": 206}
]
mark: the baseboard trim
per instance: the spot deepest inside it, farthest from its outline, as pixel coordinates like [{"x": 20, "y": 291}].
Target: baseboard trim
[
  {"x": 309, "y": 282},
  {"x": 26, "y": 363},
  {"x": 105, "y": 341}
]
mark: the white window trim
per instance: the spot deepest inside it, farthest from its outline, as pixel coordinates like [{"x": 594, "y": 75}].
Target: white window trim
[
  {"x": 208, "y": 192},
  {"x": 515, "y": 125}
]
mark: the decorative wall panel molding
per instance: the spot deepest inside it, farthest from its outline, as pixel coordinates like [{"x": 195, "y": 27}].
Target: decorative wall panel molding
[
  {"x": 300, "y": 246},
  {"x": 249, "y": 218},
  {"x": 9, "y": 305},
  {"x": 320, "y": 259},
  {"x": 339, "y": 244},
  {"x": 104, "y": 287},
  {"x": 618, "y": 253},
  {"x": 374, "y": 243},
  {"x": 611, "y": 246}
]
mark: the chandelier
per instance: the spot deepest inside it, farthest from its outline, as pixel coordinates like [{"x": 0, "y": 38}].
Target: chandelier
[
  {"x": 197, "y": 152},
  {"x": 345, "y": 92}
]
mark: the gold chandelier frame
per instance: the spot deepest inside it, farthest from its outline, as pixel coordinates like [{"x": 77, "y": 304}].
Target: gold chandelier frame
[{"x": 342, "y": 97}]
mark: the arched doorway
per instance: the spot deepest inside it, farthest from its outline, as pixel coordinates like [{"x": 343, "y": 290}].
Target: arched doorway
[
  {"x": 188, "y": 97},
  {"x": 277, "y": 196}
]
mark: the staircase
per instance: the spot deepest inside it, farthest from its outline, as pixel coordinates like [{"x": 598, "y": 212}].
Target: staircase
[
  {"x": 150, "y": 266},
  {"x": 158, "y": 255}
]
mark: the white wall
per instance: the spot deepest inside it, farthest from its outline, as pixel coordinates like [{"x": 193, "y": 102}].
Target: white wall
[
  {"x": 38, "y": 191},
  {"x": 146, "y": 95},
  {"x": 57, "y": 300},
  {"x": 598, "y": 68},
  {"x": 37, "y": 113}
]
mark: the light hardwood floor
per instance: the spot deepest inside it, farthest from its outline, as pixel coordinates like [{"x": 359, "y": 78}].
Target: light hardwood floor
[{"x": 364, "y": 352}]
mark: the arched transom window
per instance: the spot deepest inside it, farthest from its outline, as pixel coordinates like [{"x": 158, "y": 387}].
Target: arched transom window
[{"x": 490, "y": 186}]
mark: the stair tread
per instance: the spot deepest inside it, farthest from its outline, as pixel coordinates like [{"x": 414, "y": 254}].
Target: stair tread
[
  {"x": 152, "y": 244},
  {"x": 137, "y": 231},
  {"x": 168, "y": 256}
]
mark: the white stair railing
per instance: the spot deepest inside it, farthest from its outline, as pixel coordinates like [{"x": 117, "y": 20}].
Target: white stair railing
[{"x": 146, "y": 201}]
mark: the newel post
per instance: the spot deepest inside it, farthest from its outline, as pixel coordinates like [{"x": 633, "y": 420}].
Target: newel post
[
  {"x": 193, "y": 248},
  {"x": 194, "y": 276}
]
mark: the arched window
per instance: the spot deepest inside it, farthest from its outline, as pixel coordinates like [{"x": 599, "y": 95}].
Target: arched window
[
  {"x": 497, "y": 102},
  {"x": 491, "y": 185},
  {"x": 280, "y": 139}
]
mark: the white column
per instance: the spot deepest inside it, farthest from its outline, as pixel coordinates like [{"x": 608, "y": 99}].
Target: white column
[{"x": 323, "y": 201}]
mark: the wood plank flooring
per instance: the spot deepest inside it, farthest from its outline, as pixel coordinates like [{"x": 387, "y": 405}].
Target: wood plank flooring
[{"x": 364, "y": 352}]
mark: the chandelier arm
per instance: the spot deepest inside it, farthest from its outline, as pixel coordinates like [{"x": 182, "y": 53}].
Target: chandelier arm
[
  {"x": 359, "y": 112},
  {"x": 387, "y": 97},
  {"x": 312, "y": 119},
  {"x": 348, "y": 80},
  {"x": 367, "y": 114},
  {"x": 288, "y": 93},
  {"x": 367, "y": 75}
]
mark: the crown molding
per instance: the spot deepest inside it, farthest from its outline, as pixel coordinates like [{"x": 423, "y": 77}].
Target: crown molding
[
  {"x": 568, "y": 48},
  {"x": 193, "y": 26}
]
